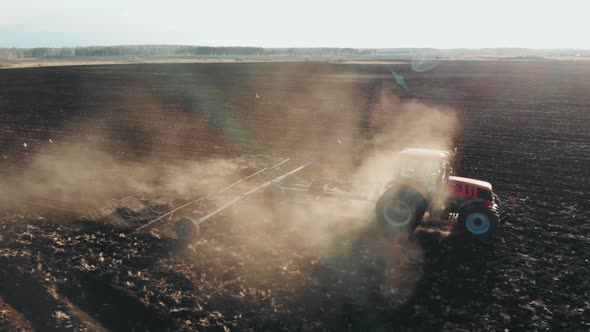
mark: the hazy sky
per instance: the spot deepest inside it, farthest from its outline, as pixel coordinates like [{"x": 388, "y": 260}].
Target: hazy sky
[{"x": 300, "y": 23}]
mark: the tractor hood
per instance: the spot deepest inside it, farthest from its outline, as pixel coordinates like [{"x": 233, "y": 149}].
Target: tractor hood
[{"x": 474, "y": 182}]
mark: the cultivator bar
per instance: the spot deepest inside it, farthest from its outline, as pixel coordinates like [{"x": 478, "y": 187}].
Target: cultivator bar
[
  {"x": 249, "y": 192},
  {"x": 273, "y": 175},
  {"x": 324, "y": 191}
]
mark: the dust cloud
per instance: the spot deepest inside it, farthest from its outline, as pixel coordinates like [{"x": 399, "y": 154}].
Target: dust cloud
[{"x": 80, "y": 178}]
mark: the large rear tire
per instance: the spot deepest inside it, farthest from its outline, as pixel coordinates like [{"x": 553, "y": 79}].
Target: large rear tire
[{"x": 400, "y": 210}]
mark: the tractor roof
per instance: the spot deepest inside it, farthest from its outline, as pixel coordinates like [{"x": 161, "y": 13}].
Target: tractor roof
[
  {"x": 424, "y": 153},
  {"x": 478, "y": 183}
]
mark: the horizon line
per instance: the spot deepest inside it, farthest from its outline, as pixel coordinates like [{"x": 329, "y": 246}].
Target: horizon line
[{"x": 313, "y": 47}]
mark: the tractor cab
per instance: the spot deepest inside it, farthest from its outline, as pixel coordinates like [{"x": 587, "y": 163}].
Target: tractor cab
[{"x": 426, "y": 170}]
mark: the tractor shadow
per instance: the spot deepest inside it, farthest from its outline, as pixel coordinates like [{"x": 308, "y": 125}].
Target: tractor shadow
[
  {"x": 456, "y": 276},
  {"x": 398, "y": 282}
]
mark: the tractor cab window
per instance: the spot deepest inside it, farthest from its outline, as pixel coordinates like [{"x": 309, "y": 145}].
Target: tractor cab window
[
  {"x": 423, "y": 170},
  {"x": 408, "y": 168}
]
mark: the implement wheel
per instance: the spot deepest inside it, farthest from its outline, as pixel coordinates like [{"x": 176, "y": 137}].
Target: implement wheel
[{"x": 186, "y": 230}]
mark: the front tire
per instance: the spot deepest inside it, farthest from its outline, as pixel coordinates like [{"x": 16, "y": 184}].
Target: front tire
[{"x": 478, "y": 221}]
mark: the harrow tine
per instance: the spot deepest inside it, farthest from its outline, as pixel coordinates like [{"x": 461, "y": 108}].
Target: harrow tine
[
  {"x": 251, "y": 191},
  {"x": 252, "y": 175}
]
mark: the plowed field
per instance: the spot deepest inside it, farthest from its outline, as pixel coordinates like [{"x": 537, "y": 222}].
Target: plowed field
[{"x": 90, "y": 153}]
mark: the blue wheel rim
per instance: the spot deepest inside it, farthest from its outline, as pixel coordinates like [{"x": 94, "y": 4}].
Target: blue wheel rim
[{"x": 478, "y": 223}]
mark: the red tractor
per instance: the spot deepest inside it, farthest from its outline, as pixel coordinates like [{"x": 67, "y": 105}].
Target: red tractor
[{"x": 424, "y": 184}]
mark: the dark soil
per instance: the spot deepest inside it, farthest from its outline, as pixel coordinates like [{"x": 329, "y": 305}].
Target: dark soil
[{"x": 524, "y": 126}]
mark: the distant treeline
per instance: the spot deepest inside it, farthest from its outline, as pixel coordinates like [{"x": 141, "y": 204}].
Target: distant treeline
[
  {"x": 170, "y": 50},
  {"x": 209, "y": 51}
]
